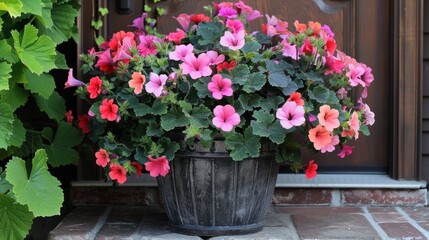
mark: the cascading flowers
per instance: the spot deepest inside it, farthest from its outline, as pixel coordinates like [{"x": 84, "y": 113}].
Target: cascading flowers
[{"x": 214, "y": 77}]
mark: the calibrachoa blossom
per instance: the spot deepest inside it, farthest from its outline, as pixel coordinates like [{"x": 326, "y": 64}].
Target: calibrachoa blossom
[
  {"x": 218, "y": 78},
  {"x": 69, "y": 116},
  {"x": 157, "y": 166},
  {"x": 225, "y": 117},
  {"x": 102, "y": 158}
]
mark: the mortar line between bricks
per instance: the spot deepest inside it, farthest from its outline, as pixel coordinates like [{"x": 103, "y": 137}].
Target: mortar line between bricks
[
  {"x": 374, "y": 224},
  {"x": 412, "y": 222},
  {"x": 100, "y": 223}
]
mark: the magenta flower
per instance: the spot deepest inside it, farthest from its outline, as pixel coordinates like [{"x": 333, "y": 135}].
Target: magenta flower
[
  {"x": 181, "y": 52},
  {"x": 220, "y": 87},
  {"x": 251, "y": 14},
  {"x": 105, "y": 62},
  {"x": 355, "y": 75},
  {"x": 71, "y": 81},
  {"x": 147, "y": 45},
  {"x": 367, "y": 76},
  {"x": 184, "y": 20},
  {"x": 225, "y": 117},
  {"x": 139, "y": 22},
  {"x": 328, "y": 30},
  {"x": 157, "y": 166},
  {"x": 215, "y": 58},
  {"x": 290, "y": 115},
  {"x": 345, "y": 150},
  {"x": 234, "y": 25},
  {"x": 196, "y": 67},
  {"x": 227, "y": 12},
  {"x": 233, "y": 41},
  {"x": 156, "y": 84},
  {"x": 123, "y": 52}
]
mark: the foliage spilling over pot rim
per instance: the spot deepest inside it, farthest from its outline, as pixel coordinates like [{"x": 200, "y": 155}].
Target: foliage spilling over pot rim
[{"x": 215, "y": 76}]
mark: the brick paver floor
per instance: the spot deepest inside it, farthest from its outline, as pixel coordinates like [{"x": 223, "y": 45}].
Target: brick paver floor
[{"x": 103, "y": 223}]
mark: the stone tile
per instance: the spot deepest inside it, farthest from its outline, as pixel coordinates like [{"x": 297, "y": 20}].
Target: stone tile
[
  {"x": 388, "y": 217},
  {"x": 384, "y": 197},
  {"x": 115, "y": 231},
  {"x": 170, "y": 236},
  {"x": 317, "y": 210},
  {"x": 267, "y": 233},
  {"x": 292, "y": 196},
  {"x": 381, "y": 209},
  {"x": 419, "y": 214},
  {"x": 401, "y": 230},
  {"x": 132, "y": 215},
  {"x": 333, "y": 226},
  {"x": 277, "y": 220},
  {"x": 77, "y": 224}
]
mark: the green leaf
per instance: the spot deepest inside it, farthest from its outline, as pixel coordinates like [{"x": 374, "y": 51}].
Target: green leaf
[
  {"x": 265, "y": 125},
  {"x": 60, "y": 61},
  {"x": 6, "y": 125},
  {"x": 141, "y": 109},
  {"x": 5, "y": 186},
  {"x": 158, "y": 107},
  {"x": 43, "y": 84},
  {"x": 32, "y": 6},
  {"x": 277, "y": 76},
  {"x": 170, "y": 148},
  {"x": 199, "y": 116},
  {"x": 46, "y": 18},
  {"x": 252, "y": 46},
  {"x": 40, "y": 190},
  {"x": 32, "y": 141},
  {"x": 320, "y": 93},
  {"x": 63, "y": 17},
  {"x": 16, "y": 96},
  {"x": 242, "y": 147},
  {"x": 15, "y": 219},
  {"x": 5, "y": 49},
  {"x": 13, "y": 7},
  {"x": 154, "y": 130},
  {"x": 270, "y": 103},
  {"x": 174, "y": 118},
  {"x": 54, "y": 106},
  {"x": 18, "y": 133},
  {"x": 248, "y": 101},
  {"x": 1, "y": 25},
  {"x": 37, "y": 53},
  {"x": 254, "y": 83},
  {"x": 48, "y": 134},
  {"x": 210, "y": 32},
  {"x": 238, "y": 75},
  {"x": 5, "y": 70},
  {"x": 103, "y": 11},
  {"x": 364, "y": 129},
  {"x": 61, "y": 150},
  {"x": 201, "y": 86}
]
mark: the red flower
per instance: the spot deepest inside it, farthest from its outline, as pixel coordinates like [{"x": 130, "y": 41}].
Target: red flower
[
  {"x": 69, "y": 116},
  {"x": 310, "y": 170},
  {"x": 116, "y": 39},
  {"x": 118, "y": 173},
  {"x": 94, "y": 87},
  {"x": 157, "y": 166},
  {"x": 83, "y": 123},
  {"x": 108, "y": 110},
  {"x": 102, "y": 158},
  {"x": 296, "y": 97},
  {"x": 176, "y": 37},
  {"x": 197, "y": 18},
  {"x": 138, "y": 167},
  {"x": 307, "y": 48},
  {"x": 225, "y": 65},
  {"x": 331, "y": 45}
]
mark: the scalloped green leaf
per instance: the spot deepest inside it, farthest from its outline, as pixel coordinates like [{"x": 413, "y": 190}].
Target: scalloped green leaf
[
  {"x": 61, "y": 150},
  {"x": 254, "y": 83},
  {"x": 13, "y": 7},
  {"x": 43, "y": 84},
  {"x": 174, "y": 118},
  {"x": 15, "y": 219},
  {"x": 18, "y": 133},
  {"x": 243, "y": 146},
  {"x": 63, "y": 17},
  {"x": 46, "y": 18},
  {"x": 54, "y": 106},
  {"x": 32, "y": 6},
  {"x": 39, "y": 190},
  {"x": 16, "y": 96},
  {"x": 6, "y": 125},
  {"x": 1, "y": 24},
  {"x": 5, "y": 70},
  {"x": 37, "y": 53},
  {"x": 170, "y": 148}
]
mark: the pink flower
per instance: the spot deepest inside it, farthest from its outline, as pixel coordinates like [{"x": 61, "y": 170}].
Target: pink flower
[
  {"x": 123, "y": 52},
  {"x": 137, "y": 82},
  {"x": 71, "y": 81},
  {"x": 331, "y": 146},
  {"x": 290, "y": 115},
  {"x": 367, "y": 76},
  {"x": 333, "y": 64},
  {"x": 156, "y": 84},
  {"x": 225, "y": 117},
  {"x": 139, "y": 22},
  {"x": 227, "y": 12},
  {"x": 345, "y": 150},
  {"x": 94, "y": 87},
  {"x": 369, "y": 116},
  {"x": 220, "y": 87},
  {"x": 233, "y": 41},
  {"x": 69, "y": 116},
  {"x": 102, "y": 158},
  {"x": 184, "y": 20},
  {"x": 354, "y": 124},
  {"x": 342, "y": 93},
  {"x": 118, "y": 173},
  {"x": 105, "y": 62},
  {"x": 328, "y": 117},
  {"x": 147, "y": 45},
  {"x": 319, "y": 136},
  {"x": 355, "y": 75},
  {"x": 108, "y": 110},
  {"x": 181, "y": 52},
  {"x": 157, "y": 166},
  {"x": 310, "y": 170},
  {"x": 196, "y": 67},
  {"x": 176, "y": 37},
  {"x": 328, "y": 30},
  {"x": 245, "y": 9},
  {"x": 289, "y": 50},
  {"x": 215, "y": 58},
  {"x": 234, "y": 25}
]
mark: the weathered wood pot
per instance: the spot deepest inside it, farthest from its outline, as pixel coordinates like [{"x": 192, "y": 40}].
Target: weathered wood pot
[{"x": 206, "y": 193}]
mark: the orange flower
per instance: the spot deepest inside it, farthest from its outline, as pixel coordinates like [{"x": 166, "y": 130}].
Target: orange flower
[
  {"x": 319, "y": 136},
  {"x": 300, "y": 27},
  {"x": 137, "y": 82},
  {"x": 328, "y": 117},
  {"x": 354, "y": 124},
  {"x": 315, "y": 26}
]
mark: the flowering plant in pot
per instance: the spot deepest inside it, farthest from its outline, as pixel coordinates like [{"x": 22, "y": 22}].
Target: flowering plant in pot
[{"x": 214, "y": 78}]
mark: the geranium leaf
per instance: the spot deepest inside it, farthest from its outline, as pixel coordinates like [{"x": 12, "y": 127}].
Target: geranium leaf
[
  {"x": 54, "y": 106},
  {"x": 153, "y": 130},
  {"x": 60, "y": 61},
  {"x": 158, "y": 107},
  {"x": 170, "y": 148},
  {"x": 5, "y": 70},
  {"x": 238, "y": 75},
  {"x": 320, "y": 94},
  {"x": 247, "y": 101},
  {"x": 46, "y": 18},
  {"x": 201, "y": 86},
  {"x": 277, "y": 76},
  {"x": 174, "y": 118},
  {"x": 141, "y": 109},
  {"x": 32, "y": 6},
  {"x": 265, "y": 125},
  {"x": 63, "y": 17},
  {"x": 5, "y": 186},
  {"x": 210, "y": 32},
  {"x": 13, "y": 7},
  {"x": 6, "y": 125},
  {"x": 250, "y": 47},
  {"x": 199, "y": 116},
  {"x": 37, "y": 53},
  {"x": 16, "y": 96},
  {"x": 364, "y": 129},
  {"x": 254, "y": 83},
  {"x": 61, "y": 150},
  {"x": 270, "y": 103},
  {"x": 42, "y": 84},
  {"x": 39, "y": 189},
  {"x": 18, "y": 133},
  {"x": 15, "y": 219},
  {"x": 243, "y": 146}
]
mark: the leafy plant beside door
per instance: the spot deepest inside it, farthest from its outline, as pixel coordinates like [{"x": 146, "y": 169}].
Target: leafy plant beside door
[{"x": 31, "y": 31}]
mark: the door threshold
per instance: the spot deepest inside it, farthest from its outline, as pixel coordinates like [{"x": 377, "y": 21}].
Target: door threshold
[{"x": 288, "y": 180}]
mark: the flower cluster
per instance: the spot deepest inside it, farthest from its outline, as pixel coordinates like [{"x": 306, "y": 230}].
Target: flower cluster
[{"x": 215, "y": 77}]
